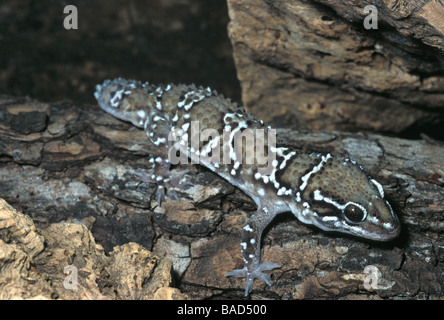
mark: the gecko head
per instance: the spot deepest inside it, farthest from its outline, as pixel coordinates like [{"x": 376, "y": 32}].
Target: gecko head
[
  {"x": 341, "y": 197},
  {"x": 120, "y": 98}
]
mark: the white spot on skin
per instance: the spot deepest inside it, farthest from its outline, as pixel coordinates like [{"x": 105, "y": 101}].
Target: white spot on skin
[
  {"x": 159, "y": 91},
  {"x": 373, "y": 219},
  {"x": 185, "y": 127},
  {"x": 379, "y": 187},
  {"x": 244, "y": 245},
  {"x": 387, "y": 225},
  {"x": 116, "y": 99},
  {"x": 141, "y": 114},
  {"x": 261, "y": 192},
  {"x": 286, "y": 158},
  {"x": 317, "y": 195},
  {"x": 252, "y": 241},
  {"x": 248, "y": 228},
  {"x": 159, "y": 141},
  {"x": 281, "y": 191},
  {"x": 275, "y": 163},
  {"x": 313, "y": 171},
  {"x": 329, "y": 218}
]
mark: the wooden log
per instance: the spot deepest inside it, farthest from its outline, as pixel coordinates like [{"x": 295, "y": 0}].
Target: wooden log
[
  {"x": 68, "y": 162},
  {"x": 316, "y": 65}
]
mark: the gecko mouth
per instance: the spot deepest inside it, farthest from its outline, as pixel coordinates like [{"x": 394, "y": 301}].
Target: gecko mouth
[{"x": 379, "y": 232}]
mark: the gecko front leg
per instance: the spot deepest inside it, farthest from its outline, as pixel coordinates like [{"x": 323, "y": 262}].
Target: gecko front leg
[
  {"x": 164, "y": 179},
  {"x": 251, "y": 250},
  {"x": 158, "y": 130}
]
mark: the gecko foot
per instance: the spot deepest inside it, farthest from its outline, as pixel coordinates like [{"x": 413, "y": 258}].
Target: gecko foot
[
  {"x": 250, "y": 275},
  {"x": 165, "y": 180}
]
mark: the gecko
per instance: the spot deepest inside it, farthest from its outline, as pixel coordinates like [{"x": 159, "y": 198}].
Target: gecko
[{"x": 329, "y": 192}]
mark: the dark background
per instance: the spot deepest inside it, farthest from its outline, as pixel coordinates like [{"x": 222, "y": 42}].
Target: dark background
[{"x": 157, "y": 41}]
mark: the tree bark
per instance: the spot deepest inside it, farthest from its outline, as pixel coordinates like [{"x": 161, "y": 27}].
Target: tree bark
[
  {"x": 72, "y": 163},
  {"x": 320, "y": 65}
]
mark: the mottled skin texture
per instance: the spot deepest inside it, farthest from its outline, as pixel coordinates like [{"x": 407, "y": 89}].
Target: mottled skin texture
[{"x": 334, "y": 194}]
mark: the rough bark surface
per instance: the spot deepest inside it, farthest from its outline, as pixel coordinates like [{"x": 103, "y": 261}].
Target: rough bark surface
[
  {"x": 313, "y": 64},
  {"x": 63, "y": 261},
  {"x": 70, "y": 169}
]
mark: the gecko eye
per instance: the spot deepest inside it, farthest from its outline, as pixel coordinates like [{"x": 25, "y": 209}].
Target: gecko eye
[{"x": 354, "y": 213}]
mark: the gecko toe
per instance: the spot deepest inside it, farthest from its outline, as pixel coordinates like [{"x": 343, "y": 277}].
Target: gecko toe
[
  {"x": 265, "y": 278},
  {"x": 160, "y": 195},
  {"x": 256, "y": 272},
  {"x": 237, "y": 273},
  {"x": 248, "y": 286},
  {"x": 267, "y": 266},
  {"x": 172, "y": 194}
]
